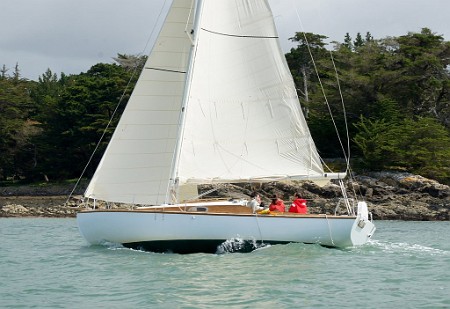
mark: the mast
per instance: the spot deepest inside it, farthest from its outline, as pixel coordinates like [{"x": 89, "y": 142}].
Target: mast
[{"x": 172, "y": 190}]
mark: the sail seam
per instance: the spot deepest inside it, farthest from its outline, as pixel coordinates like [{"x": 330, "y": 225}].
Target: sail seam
[
  {"x": 241, "y": 36},
  {"x": 165, "y": 70}
]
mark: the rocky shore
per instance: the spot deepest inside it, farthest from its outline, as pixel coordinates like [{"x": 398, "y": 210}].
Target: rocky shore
[{"x": 390, "y": 196}]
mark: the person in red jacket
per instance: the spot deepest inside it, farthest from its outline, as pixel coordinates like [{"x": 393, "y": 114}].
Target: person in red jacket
[
  {"x": 298, "y": 205},
  {"x": 277, "y": 204}
]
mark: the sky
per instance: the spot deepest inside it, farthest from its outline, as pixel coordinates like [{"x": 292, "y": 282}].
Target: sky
[{"x": 72, "y": 35}]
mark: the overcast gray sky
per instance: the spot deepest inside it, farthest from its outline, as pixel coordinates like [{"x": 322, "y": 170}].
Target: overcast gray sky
[{"x": 72, "y": 35}]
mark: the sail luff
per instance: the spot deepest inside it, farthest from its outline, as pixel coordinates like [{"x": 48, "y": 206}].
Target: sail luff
[{"x": 173, "y": 188}]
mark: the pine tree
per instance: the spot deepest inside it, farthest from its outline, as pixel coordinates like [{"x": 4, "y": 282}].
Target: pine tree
[
  {"x": 348, "y": 41},
  {"x": 359, "y": 42}
]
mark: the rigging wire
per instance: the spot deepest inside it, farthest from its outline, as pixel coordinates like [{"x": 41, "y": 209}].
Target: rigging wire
[
  {"x": 329, "y": 230},
  {"x": 349, "y": 170},
  {"x": 345, "y": 153},
  {"x": 346, "y": 156},
  {"x": 343, "y": 109},
  {"x": 133, "y": 74}
]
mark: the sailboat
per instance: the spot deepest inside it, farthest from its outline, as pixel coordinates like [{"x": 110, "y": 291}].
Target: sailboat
[{"x": 215, "y": 104}]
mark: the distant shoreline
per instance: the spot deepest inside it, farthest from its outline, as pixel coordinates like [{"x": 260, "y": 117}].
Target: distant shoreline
[
  {"x": 36, "y": 206},
  {"x": 390, "y": 196}
]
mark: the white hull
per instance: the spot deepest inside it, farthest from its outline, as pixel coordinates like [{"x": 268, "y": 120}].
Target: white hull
[{"x": 199, "y": 232}]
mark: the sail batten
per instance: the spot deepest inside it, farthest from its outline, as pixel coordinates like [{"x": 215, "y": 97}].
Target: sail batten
[{"x": 240, "y": 35}]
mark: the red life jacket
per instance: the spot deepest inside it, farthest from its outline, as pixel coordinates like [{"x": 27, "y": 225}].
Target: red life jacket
[
  {"x": 299, "y": 206},
  {"x": 278, "y": 206}
]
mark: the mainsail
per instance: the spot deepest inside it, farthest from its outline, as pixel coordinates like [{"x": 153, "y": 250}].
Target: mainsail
[{"x": 243, "y": 118}]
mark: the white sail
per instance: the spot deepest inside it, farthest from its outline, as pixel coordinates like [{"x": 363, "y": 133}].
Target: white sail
[
  {"x": 243, "y": 118},
  {"x": 136, "y": 166}
]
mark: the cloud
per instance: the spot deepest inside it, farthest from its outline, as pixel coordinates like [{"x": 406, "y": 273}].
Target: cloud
[
  {"x": 66, "y": 34},
  {"x": 381, "y": 18},
  {"x": 72, "y": 35}
]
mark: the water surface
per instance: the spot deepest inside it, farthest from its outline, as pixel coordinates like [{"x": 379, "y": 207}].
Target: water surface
[{"x": 45, "y": 263}]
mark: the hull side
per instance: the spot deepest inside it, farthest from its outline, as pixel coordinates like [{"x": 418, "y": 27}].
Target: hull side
[{"x": 160, "y": 232}]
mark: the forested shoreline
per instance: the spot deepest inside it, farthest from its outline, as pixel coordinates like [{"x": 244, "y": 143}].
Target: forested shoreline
[{"x": 396, "y": 92}]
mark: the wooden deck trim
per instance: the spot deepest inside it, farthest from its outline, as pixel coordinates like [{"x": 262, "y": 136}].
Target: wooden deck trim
[{"x": 283, "y": 215}]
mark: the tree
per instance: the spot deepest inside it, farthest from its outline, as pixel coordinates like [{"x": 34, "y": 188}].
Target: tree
[
  {"x": 16, "y": 130},
  {"x": 392, "y": 88},
  {"x": 418, "y": 145},
  {"x": 396, "y": 92},
  {"x": 74, "y": 112},
  {"x": 348, "y": 42},
  {"x": 359, "y": 42},
  {"x": 16, "y": 73},
  {"x": 371, "y": 139},
  {"x": 3, "y": 72},
  {"x": 301, "y": 62},
  {"x": 131, "y": 62},
  {"x": 425, "y": 58}
]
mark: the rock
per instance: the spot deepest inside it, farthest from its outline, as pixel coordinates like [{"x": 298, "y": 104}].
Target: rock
[
  {"x": 389, "y": 195},
  {"x": 14, "y": 209}
]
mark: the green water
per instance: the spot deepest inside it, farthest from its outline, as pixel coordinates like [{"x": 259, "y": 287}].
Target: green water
[{"x": 44, "y": 263}]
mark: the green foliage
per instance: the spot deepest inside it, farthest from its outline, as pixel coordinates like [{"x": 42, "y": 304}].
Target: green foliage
[
  {"x": 389, "y": 87},
  {"x": 49, "y": 128},
  {"x": 16, "y": 129},
  {"x": 74, "y": 111},
  {"x": 396, "y": 92},
  {"x": 418, "y": 145},
  {"x": 359, "y": 42},
  {"x": 301, "y": 63},
  {"x": 348, "y": 41},
  {"x": 371, "y": 139}
]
